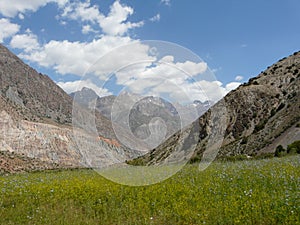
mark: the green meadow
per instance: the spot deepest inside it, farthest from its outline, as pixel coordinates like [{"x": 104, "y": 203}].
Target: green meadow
[{"x": 245, "y": 192}]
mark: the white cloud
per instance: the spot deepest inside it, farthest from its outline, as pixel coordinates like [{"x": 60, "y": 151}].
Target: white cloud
[
  {"x": 77, "y": 85},
  {"x": 82, "y": 11},
  {"x": 165, "y": 68},
  {"x": 76, "y": 58},
  {"x": 11, "y": 8},
  {"x": 192, "y": 68},
  {"x": 87, "y": 29},
  {"x": 155, "y": 18},
  {"x": 171, "y": 79},
  {"x": 167, "y": 77},
  {"x": 115, "y": 23},
  {"x": 28, "y": 42},
  {"x": 138, "y": 72},
  {"x": 205, "y": 90},
  {"x": 21, "y": 16},
  {"x": 166, "y": 2},
  {"x": 239, "y": 78},
  {"x": 7, "y": 29},
  {"x": 231, "y": 86}
]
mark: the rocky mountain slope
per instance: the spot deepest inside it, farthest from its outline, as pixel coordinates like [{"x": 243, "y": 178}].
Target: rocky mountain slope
[
  {"x": 258, "y": 114},
  {"x": 36, "y": 122},
  {"x": 143, "y": 110},
  {"x": 35, "y": 95}
]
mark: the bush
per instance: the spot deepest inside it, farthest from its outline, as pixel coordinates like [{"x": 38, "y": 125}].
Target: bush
[
  {"x": 260, "y": 126},
  {"x": 280, "y": 151},
  {"x": 264, "y": 156},
  {"x": 273, "y": 112},
  {"x": 235, "y": 158},
  {"x": 294, "y": 148},
  {"x": 244, "y": 141}
]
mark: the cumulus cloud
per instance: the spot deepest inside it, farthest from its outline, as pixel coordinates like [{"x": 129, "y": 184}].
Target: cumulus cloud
[
  {"x": 11, "y": 8},
  {"x": 192, "y": 68},
  {"x": 87, "y": 29},
  {"x": 77, "y": 85},
  {"x": 166, "y": 67},
  {"x": 82, "y": 11},
  {"x": 75, "y": 57},
  {"x": 28, "y": 42},
  {"x": 7, "y": 29},
  {"x": 239, "y": 78},
  {"x": 169, "y": 78},
  {"x": 231, "y": 86},
  {"x": 137, "y": 68},
  {"x": 115, "y": 23},
  {"x": 67, "y": 57},
  {"x": 155, "y": 18}
]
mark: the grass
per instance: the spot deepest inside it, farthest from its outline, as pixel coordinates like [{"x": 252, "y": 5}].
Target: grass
[{"x": 246, "y": 192}]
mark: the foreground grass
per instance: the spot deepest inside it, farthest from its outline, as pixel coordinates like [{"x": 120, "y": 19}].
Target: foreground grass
[{"x": 248, "y": 192}]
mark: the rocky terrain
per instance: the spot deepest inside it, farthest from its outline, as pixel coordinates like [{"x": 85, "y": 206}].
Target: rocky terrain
[
  {"x": 36, "y": 123},
  {"x": 142, "y": 110},
  {"x": 36, "y": 129},
  {"x": 250, "y": 120},
  {"x": 34, "y": 95}
]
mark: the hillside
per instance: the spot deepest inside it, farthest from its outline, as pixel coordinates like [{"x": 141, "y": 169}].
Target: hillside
[
  {"x": 259, "y": 114},
  {"x": 36, "y": 123},
  {"x": 35, "y": 95}
]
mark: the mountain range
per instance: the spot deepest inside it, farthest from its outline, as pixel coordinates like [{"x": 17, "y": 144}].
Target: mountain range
[
  {"x": 37, "y": 121},
  {"x": 251, "y": 120},
  {"x": 143, "y": 109}
]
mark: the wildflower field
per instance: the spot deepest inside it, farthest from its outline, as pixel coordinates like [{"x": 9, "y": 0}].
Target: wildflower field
[{"x": 245, "y": 192}]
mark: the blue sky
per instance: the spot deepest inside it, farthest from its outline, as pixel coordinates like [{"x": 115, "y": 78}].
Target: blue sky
[{"x": 237, "y": 39}]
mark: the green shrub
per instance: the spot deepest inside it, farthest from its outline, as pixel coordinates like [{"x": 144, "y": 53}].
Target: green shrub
[
  {"x": 273, "y": 112},
  {"x": 264, "y": 156},
  {"x": 280, "y": 151},
  {"x": 244, "y": 141},
  {"x": 294, "y": 148},
  {"x": 260, "y": 126}
]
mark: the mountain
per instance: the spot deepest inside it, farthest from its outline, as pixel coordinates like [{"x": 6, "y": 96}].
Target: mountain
[
  {"x": 252, "y": 120},
  {"x": 36, "y": 124},
  {"x": 34, "y": 95},
  {"x": 139, "y": 114},
  {"x": 85, "y": 97}
]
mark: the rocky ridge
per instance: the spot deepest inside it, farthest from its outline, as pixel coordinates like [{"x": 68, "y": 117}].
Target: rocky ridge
[
  {"x": 36, "y": 123},
  {"x": 258, "y": 113}
]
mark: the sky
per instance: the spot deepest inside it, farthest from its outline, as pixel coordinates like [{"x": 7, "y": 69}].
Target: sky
[{"x": 203, "y": 48}]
